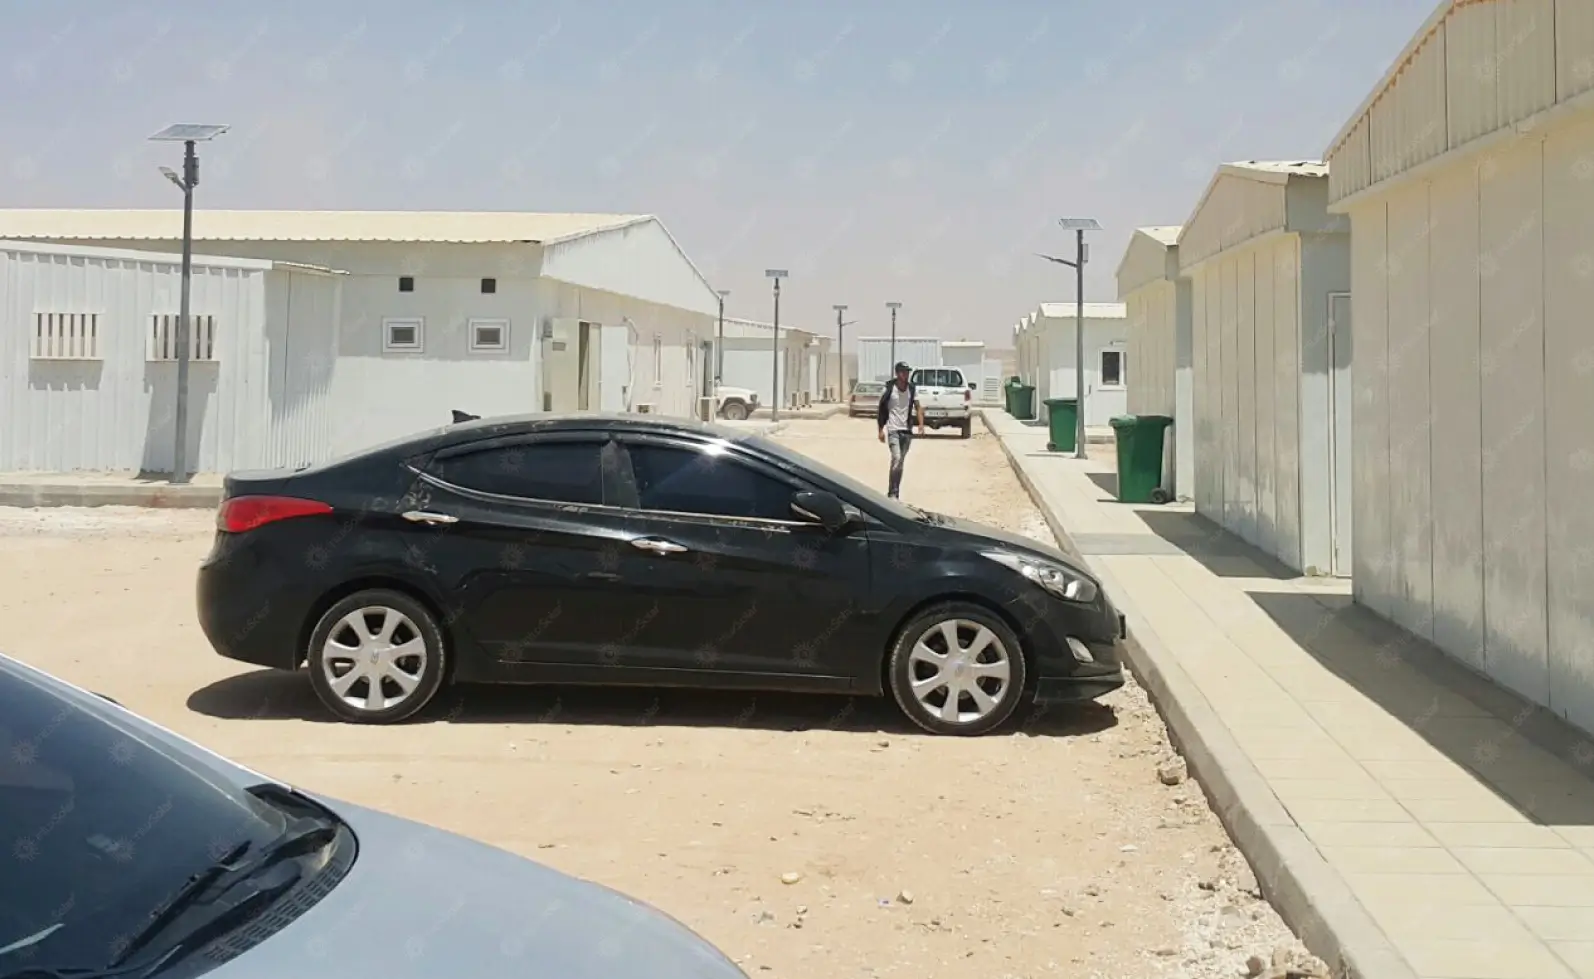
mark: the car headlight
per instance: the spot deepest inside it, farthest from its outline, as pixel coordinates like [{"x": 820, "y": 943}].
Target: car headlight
[{"x": 1065, "y": 584}]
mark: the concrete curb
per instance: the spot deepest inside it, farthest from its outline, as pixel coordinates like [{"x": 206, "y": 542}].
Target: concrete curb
[
  {"x": 156, "y": 495},
  {"x": 1309, "y": 895}
]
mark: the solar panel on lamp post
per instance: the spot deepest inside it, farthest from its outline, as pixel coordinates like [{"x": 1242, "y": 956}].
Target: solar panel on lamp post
[
  {"x": 1078, "y": 226},
  {"x": 188, "y": 135},
  {"x": 774, "y": 344}
]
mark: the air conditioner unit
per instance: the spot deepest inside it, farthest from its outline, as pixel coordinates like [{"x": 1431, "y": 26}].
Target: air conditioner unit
[
  {"x": 705, "y": 409},
  {"x": 645, "y": 408}
]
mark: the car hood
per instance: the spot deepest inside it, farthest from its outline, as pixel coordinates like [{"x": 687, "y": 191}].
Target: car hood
[
  {"x": 973, "y": 534},
  {"x": 423, "y": 903}
]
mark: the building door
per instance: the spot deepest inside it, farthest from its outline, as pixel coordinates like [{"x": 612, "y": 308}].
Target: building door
[{"x": 1339, "y": 433}]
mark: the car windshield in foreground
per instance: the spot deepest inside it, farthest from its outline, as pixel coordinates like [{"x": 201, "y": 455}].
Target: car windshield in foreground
[
  {"x": 876, "y": 499},
  {"x": 101, "y": 826}
]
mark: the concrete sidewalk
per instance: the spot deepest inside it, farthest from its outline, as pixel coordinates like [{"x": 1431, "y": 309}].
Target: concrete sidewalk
[{"x": 1409, "y": 819}]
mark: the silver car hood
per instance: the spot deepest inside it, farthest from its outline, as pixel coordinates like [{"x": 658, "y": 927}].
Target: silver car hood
[{"x": 423, "y": 903}]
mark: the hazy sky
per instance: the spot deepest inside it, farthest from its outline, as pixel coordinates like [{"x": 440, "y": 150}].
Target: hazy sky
[{"x": 879, "y": 149}]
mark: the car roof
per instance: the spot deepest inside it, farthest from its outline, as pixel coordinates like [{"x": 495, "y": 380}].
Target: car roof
[{"x": 543, "y": 423}]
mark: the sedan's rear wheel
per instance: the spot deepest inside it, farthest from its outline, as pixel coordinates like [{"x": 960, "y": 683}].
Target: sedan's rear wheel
[
  {"x": 376, "y": 657},
  {"x": 957, "y": 669}
]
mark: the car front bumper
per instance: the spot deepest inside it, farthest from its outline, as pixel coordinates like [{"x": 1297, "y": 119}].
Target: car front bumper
[{"x": 1076, "y": 652}]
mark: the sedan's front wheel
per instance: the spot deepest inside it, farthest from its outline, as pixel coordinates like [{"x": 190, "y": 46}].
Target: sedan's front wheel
[
  {"x": 376, "y": 657},
  {"x": 957, "y": 669}
]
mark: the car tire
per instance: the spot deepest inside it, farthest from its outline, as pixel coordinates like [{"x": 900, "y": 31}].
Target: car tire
[
  {"x": 970, "y": 623},
  {"x": 339, "y": 646},
  {"x": 735, "y": 411},
  {"x": 967, "y": 430}
]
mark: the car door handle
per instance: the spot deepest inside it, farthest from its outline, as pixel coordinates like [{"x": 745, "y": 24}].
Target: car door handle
[
  {"x": 422, "y": 516},
  {"x": 657, "y": 546}
]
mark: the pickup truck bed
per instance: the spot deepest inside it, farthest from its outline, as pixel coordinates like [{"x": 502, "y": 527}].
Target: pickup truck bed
[{"x": 945, "y": 396}]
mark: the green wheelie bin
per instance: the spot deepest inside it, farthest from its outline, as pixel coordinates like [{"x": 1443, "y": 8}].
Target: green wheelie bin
[
  {"x": 1062, "y": 419},
  {"x": 1023, "y": 402},
  {"x": 1140, "y": 445},
  {"x": 1007, "y": 394}
]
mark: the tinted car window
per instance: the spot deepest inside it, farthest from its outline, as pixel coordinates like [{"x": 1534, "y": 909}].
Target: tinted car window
[
  {"x": 99, "y": 825},
  {"x": 688, "y": 480},
  {"x": 563, "y": 472}
]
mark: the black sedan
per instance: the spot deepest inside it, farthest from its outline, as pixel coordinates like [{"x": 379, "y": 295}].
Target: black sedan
[{"x": 593, "y": 549}]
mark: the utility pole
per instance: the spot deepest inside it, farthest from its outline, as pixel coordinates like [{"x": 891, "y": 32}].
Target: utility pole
[
  {"x": 841, "y": 359},
  {"x": 719, "y": 350},
  {"x": 774, "y": 345},
  {"x": 1078, "y": 226},
  {"x": 188, "y": 135},
  {"x": 893, "y": 307}
]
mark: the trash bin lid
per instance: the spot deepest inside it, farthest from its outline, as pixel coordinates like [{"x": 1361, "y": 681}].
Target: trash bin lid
[
  {"x": 1162, "y": 420},
  {"x": 1124, "y": 421},
  {"x": 1060, "y": 401}
]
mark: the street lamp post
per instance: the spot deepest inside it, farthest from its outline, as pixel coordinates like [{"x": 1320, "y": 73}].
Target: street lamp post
[
  {"x": 1081, "y": 254},
  {"x": 774, "y": 345},
  {"x": 841, "y": 359},
  {"x": 893, "y": 307},
  {"x": 188, "y": 135},
  {"x": 719, "y": 348}
]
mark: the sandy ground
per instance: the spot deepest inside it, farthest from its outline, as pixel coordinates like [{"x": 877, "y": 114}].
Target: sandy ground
[{"x": 1054, "y": 851}]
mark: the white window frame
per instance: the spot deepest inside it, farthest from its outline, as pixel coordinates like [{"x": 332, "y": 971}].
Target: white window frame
[
  {"x": 1123, "y": 371},
  {"x": 389, "y": 322},
  {"x": 490, "y": 322},
  {"x": 658, "y": 360}
]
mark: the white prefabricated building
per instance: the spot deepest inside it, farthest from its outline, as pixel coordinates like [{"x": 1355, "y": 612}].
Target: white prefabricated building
[
  {"x": 1046, "y": 357},
  {"x": 877, "y": 355},
  {"x": 967, "y": 356},
  {"x": 1471, "y": 199},
  {"x": 807, "y": 366},
  {"x": 490, "y": 312},
  {"x": 1157, "y": 307},
  {"x": 88, "y": 360},
  {"x": 1270, "y": 310}
]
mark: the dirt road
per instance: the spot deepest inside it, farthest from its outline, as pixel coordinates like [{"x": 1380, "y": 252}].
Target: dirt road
[{"x": 1056, "y": 851}]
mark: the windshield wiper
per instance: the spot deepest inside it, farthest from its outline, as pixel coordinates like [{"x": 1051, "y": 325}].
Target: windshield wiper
[{"x": 303, "y": 836}]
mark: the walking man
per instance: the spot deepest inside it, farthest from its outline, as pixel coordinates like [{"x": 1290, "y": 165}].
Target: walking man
[{"x": 898, "y": 407}]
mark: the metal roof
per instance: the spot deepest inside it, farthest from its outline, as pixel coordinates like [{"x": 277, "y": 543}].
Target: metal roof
[
  {"x": 481, "y": 227},
  {"x": 1304, "y": 168},
  {"x": 1425, "y": 33},
  {"x": 127, "y": 255},
  {"x": 1167, "y": 234},
  {"x": 1098, "y": 311}
]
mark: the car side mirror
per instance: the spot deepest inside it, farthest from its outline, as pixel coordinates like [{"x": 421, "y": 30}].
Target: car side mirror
[
  {"x": 824, "y": 509},
  {"x": 972, "y": 385}
]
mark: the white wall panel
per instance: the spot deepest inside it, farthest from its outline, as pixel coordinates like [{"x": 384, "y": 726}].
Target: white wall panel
[
  {"x": 1512, "y": 350},
  {"x": 1569, "y": 418},
  {"x": 1574, "y": 47},
  {"x": 1204, "y": 369},
  {"x": 1229, "y": 325},
  {"x": 1265, "y": 396},
  {"x": 1410, "y": 501},
  {"x": 1457, "y": 440},
  {"x": 1524, "y": 56},
  {"x": 1286, "y": 262},
  {"x": 1245, "y": 392},
  {"x": 1471, "y": 81},
  {"x": 1371, "y": 576}
]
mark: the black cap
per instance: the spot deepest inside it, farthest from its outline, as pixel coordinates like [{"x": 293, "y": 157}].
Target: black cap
[{"x": 902, "y": 365}]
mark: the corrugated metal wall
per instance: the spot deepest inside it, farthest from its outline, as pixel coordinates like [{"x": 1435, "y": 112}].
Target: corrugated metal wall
[
  {"x": 114, "y": 412},
  {"x": 1152, "y": 360},
  {"x": 874, "y": 355},
  {"x": 1475, "y": 378},
  {"x": 1484, "y": 67}
]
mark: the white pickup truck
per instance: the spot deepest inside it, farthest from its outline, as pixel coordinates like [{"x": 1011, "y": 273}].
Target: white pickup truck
[{"x": 947, "y": 398}]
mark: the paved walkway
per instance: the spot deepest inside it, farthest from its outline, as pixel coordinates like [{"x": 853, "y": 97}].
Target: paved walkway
[{"x": 1407, "y": 817}]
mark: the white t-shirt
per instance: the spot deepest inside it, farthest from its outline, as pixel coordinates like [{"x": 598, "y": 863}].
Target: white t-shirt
[{"x": 898, "y": 417}]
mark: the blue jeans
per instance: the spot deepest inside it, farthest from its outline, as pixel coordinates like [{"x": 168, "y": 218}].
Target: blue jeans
[{"x": 898, "y": 442}]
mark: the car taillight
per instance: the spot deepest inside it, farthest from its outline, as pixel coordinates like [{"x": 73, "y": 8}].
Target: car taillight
[
  {"x": 967, "y": 394},
  {"x": 245, "y": 513}
]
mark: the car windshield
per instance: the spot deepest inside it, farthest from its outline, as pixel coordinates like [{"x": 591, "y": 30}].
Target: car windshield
[
  {"x": 941, "y": 378},
  {"x": 873, "y": 497},
  {"x": 100, "y": 824}
]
